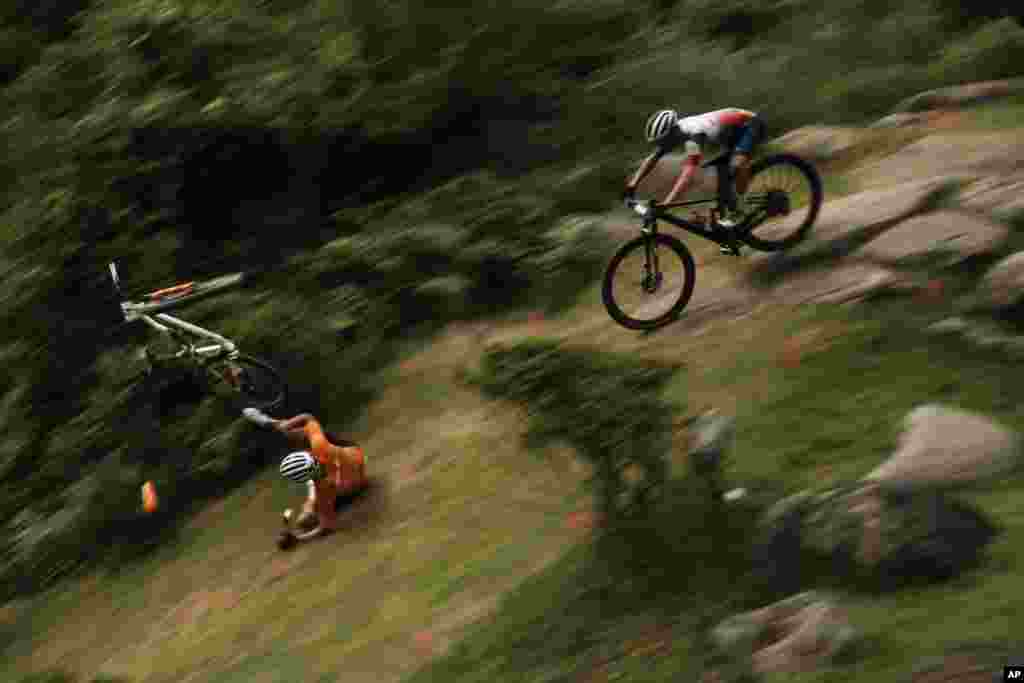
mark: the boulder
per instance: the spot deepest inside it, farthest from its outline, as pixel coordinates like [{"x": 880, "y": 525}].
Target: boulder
[
  {"x": 777, "y": 556},
  {"x": 846, "y": 224},
  {"x": 968, "y": 155},
  {"x": 1003, "y": 284},
  {"x": 713, "y": 434},
  {"x": 948, "y": 447},
  {"x": 960, "y": 95},
  {"x": 950, "y": 235},
  {"x": 886, "y": 535},
  {"x": 1001, "y": 194},
  {"x": 801, "y": 633},
  {"x": 845, "y": 283}
]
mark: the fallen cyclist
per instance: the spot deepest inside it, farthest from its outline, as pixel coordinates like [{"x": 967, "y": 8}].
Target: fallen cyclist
[{"x": 332, "y": 469}]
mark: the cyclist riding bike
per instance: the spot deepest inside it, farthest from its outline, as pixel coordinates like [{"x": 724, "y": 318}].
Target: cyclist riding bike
[
  {"x": 332, "y": 469},
  {"x": 738, "y": 130}
]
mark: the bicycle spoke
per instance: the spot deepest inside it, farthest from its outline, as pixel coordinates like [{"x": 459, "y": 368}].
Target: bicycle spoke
[
  {"x": 646, "y": 293},
  {"x": 784, "y": 182}
]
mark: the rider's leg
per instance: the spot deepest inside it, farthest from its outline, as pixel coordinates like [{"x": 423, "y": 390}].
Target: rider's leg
[
  {"x": 726, "y": 191},
  {"x": 741, "y": 172},
  {"x": 753, "y": 134}
]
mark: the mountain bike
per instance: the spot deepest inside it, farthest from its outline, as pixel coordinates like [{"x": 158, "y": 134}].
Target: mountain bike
[
  {"x": 778, "y": 218},
  {"x": 218, "y": 364}
]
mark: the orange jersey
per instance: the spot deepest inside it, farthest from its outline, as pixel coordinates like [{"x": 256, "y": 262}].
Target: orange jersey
[{"x": 344, "y": 468}]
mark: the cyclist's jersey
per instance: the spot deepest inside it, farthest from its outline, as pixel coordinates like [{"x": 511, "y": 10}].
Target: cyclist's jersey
[
  {"x": 346, "y": 464},
  {"x": 716, "y": 127}
]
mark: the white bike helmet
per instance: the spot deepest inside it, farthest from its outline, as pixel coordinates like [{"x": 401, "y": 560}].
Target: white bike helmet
[
  {"x": 300, "y": 467},
  {"x": 660, "y": 124}
]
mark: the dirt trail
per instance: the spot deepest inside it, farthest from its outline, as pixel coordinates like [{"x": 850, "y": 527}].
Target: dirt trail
[{"x": 460, "y": 513}]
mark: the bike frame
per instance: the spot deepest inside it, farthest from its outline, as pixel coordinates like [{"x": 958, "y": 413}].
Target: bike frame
[
  {"x": 168, "y": 324},
  {"x": 650, "y": 226}
]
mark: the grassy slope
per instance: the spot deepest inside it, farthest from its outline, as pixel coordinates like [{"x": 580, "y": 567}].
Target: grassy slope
[{"x": 472, "y": 515}]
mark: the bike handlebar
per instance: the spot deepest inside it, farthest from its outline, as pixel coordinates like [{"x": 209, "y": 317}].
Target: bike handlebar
[{"x": 641, "y": 207}]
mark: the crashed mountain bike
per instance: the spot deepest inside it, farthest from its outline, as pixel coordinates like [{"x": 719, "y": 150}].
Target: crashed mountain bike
[
  {"x": 218, "y": 363},
  {"x": 650, "y": 279}
]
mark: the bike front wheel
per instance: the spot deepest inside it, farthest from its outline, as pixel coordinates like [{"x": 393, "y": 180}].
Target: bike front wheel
[
  {"x": 785, "y": 195},
  {"x": 648, "y": 282},
  {"x": 249, "y": 380}
]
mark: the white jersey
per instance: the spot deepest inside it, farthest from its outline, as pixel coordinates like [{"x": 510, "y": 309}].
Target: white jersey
[{"x": 709, "y": 127}]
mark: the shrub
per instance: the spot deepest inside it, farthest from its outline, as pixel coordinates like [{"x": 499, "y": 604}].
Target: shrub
[
  {"x": 996, "y": 50},
  {"x": 606, "y": 406}
]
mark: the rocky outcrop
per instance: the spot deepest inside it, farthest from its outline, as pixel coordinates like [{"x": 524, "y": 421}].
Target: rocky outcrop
[
  {"x": 974, "y": 155},
  {"x": 951, "y": 236},
  {"x": 942, "y": 446},
  {"x": 844, "y": 283},
  {"x": 1001, "y": 194},
  {"x": 821, "y": 143},
  {"x": 886, "y": 535},
  {"x": 801, "y": 633},
  {"x": 961, "y": 95},
  {"x": 1003, "y": 284}
]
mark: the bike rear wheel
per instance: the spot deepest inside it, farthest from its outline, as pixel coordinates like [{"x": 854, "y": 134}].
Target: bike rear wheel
[
  {"x": 251, "y": 381},
  {"x": 648, "y": 282},
  {"x": 785, "y": 194}
]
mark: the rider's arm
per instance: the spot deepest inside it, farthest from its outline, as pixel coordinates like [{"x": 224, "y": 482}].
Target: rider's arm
[
  {"x": 293, "y": 423},
  {"x": 645, "y": 168},
  {"x": 691, "y": 163},
  {"x": 326, "y": 523},
  {"x": 684, "y": 180},
  {"x": 310, "y": 508}
]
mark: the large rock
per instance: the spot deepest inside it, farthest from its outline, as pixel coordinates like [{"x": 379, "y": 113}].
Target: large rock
[
  {"x": 969, "y": 155},
  {"x": 845, "y": 283},
  {"x": 1003, "y": 284},
  {"x": 949, "y": 447},
  {"x": 821, "y": 143},
  {"x": 883, "y": 534},
  {"x": 999, "y": 194},
  {"x": 961, "y": 95},
  {"x": 846, "y": 224},
  {"x": 801, "y": 633},
  {"x": 950, "y": 235}
]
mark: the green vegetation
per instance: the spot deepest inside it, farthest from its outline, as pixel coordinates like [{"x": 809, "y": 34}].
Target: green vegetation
[
  {"x": 60, "y": 677},
  {"x": 381, "y": 170},
  {"x": 830, "y": 418},
  {"x": 605, "y": 407}
]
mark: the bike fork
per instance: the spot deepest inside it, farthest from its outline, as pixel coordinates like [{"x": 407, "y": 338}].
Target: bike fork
[{"x": 652, "y": 273}]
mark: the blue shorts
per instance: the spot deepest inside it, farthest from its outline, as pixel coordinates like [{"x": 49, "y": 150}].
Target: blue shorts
[{"x": 747, "y": 137}]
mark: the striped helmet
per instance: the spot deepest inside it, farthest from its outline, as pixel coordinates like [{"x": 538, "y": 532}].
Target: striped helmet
[
  {"x": 300, "y": 467},
  {"x": 660, "y": 124}
]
